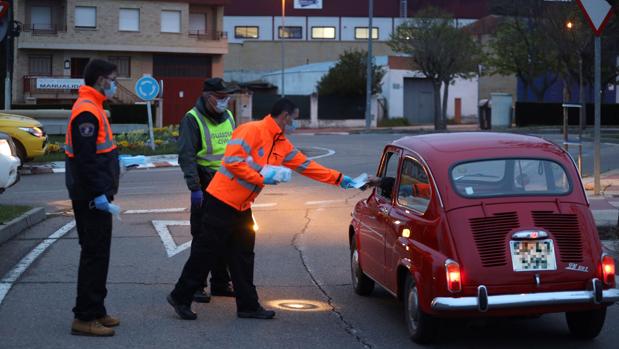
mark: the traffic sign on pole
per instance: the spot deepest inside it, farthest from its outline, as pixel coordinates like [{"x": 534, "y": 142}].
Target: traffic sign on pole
[
  {"x": 147, "y": 88},
  {"x": 4, "y": 8},
  {"x": 597, "y": 13}
]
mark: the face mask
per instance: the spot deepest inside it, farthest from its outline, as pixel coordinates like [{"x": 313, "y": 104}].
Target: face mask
[
  {"x": 291, "y": 128},
  {"x": 110, "y": 91},
  {"x": 222, "y": 105}
]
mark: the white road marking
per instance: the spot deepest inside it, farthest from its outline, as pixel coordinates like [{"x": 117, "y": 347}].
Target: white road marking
[
  {"x": 9, "y": 279},
  {"x": 171, "y": 248},
  {"x": 329, "y": 153},
  {"x": 157, "y": 210},
  {"x": 323, "y": 202},
  {"x": 269, "y": 204}
]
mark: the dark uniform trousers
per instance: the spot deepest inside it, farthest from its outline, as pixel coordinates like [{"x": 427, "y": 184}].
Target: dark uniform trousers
[
  {"x": 226, "y": 233},
  {"x": 94, "y": 229},
  {"x": 219, "y": 270}
]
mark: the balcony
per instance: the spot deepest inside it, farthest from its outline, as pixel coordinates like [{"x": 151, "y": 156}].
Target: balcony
[{"x": 208, "y": 36}]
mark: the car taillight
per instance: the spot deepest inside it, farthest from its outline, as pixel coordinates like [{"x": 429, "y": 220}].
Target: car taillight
[
  {"x": 454, "y": 278},
  {"x": 608, "y": 270}
]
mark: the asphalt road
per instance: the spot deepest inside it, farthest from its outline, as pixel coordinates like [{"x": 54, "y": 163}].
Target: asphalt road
[{"x": 301, "y": 257}]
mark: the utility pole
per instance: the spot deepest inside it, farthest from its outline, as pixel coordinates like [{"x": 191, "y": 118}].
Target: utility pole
[
  {"x": 368, "y": 94},
  {"x": 283, "y": 33},
  {"x": 8, "y": 42},
  {"x": 597, "y": 90}
]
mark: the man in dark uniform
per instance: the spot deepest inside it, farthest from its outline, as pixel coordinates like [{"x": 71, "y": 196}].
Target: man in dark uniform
[
  {"x": 204, "y": 132},
  {"x": 92, "y": 173}
]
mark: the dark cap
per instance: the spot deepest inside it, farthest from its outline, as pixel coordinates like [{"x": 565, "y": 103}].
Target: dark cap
[{"x": 218, "y": 85}]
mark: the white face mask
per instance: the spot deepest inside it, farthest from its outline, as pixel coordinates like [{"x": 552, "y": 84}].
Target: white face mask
[{"x": 222, "y": 105}]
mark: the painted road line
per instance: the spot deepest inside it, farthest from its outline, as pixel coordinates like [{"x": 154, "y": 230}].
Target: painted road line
[
  {"x": 171, "y": 248},
  {"x": 157, "y": 210},
  {"x": 323, "y": 202},
  {"x": 9, "y": 279},
  {"x": 329, "y": 153},
  {"x": 270, "y": 204}
]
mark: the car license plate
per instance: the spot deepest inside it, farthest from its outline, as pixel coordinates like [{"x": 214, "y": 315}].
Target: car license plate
[{"x": 533, "y": 255}]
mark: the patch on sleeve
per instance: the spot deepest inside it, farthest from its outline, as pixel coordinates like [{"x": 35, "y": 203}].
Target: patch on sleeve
[
  {"x": 87, "y": 129},
  {"x": 261, "y": 152}
]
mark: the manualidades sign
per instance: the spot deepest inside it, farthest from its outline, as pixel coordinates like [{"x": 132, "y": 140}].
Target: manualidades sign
[{"x": 59, "y": 84}]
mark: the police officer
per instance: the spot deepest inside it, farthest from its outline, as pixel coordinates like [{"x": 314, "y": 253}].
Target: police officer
[
  {"x": 228, "y": 220},
  {"x": 204, "y": 132},
  {"x": 92, "y": 172}
]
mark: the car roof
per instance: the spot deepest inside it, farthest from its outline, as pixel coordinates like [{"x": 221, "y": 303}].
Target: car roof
[{"x": 452, "y": 146}]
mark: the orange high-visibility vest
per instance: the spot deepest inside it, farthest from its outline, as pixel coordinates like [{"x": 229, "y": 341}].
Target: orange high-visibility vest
[
  {"x": 254, "y": 145},
  {"x": 91, "y": 100}
]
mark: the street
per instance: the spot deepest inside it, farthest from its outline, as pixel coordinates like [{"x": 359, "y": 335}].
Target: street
[{"x": 302, "y": 261}]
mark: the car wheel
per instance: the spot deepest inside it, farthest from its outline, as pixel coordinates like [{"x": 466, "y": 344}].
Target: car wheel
[
  {"x": 421, "y": 326},
  {"x": 586, "y": 324},
  {"x": 361, "y": 283},
  {"x": 21, "y": 152}
]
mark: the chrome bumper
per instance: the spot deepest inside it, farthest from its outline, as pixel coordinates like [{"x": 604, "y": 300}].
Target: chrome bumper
[{"x": 484, "y": 302}]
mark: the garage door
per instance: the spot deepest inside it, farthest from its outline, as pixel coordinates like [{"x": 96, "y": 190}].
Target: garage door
[{"x": 418, "y": 101}]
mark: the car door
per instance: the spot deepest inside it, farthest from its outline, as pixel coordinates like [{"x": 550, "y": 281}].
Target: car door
[
  {"x": 412, "y": 196},
  {"x": 379, "y": 207}
]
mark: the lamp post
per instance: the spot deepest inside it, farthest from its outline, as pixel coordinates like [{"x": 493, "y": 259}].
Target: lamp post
[{"x": 282, "y": 35}]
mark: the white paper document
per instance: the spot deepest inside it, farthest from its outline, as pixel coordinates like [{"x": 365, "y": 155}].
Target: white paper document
[{"x": 360, "y": 181}]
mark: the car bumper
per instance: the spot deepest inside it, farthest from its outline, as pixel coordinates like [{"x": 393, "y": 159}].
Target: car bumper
[
  {"x": 483, "y": 302},
  {"x": 36, "y": 147}
]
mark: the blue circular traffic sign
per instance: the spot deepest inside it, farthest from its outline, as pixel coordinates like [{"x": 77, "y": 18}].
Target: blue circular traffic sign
[{"x": 147, "y": 88}]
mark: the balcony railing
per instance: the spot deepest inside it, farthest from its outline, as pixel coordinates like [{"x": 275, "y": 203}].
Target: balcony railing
[
  {"x": 44, "y": 29},
  {"x": 204, "y": 35}
]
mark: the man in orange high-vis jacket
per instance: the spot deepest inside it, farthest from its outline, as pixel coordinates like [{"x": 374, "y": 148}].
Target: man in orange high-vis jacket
[
  {"x": 92, "y": 172},
  {"x": 228, "y": 223}
]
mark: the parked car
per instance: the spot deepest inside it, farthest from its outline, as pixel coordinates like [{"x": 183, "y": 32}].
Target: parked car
[
  {"x": 9, "y": 162},
  {"x": 480, "y": 225},
  {"x": 28, "y": 134}
]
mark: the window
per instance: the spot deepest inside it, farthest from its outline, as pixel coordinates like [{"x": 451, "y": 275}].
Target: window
[
  {"x": 85, "y": 17},
  {"x": 361, "y": 33},
  {"x": 290, "y": 32},
  {"x": 510, "y": 177},
  {"x": 170, "y": 21},
  {"x": 246, "y": 32},
  {"x": 40, "y": 65},
  {"x": 414, "y": 191},
  {"x": 197, "y": 23},
  {"x": 41, "y": 17},
  {"x": 388, "y": 174},
  {"x": 129, "y": 19},
  {"x": 124, "y": 65},
  {"x": 323, "y": 32}
]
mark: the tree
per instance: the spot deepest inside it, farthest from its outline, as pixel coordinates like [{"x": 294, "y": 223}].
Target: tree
[
  {"x": 440, "y": 50},
  {"x": 348, "y": 76}
]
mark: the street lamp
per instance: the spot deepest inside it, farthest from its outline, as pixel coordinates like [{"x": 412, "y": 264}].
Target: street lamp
[{"x": 282, "y": 32}]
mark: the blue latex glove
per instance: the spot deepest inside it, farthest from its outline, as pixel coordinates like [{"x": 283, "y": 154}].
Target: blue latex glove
[
  {"x": 346, "y": 183},
  {"x": 101, "y": 203},
  {"x": 269, "y": 177},
  {"x": 196, "y": 198}
]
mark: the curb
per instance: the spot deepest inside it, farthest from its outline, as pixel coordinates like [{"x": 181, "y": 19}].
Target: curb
[
  {"x": 21, "y": 223},
  {"x": 46, "y": 169}
]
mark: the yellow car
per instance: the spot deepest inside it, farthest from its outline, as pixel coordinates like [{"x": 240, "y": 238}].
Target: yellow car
[{"x": 28, "y": 134}]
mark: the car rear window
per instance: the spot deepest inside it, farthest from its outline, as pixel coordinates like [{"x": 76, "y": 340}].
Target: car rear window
[{"x": 510, "y": 177}]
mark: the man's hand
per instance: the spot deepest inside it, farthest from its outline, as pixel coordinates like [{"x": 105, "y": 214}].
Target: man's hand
[
  {"x": 101, "y": 203},
  {"x": 269, "y": 176},
  {"x": 196, "y": 198},
  {"x": 347, "y": 183}
]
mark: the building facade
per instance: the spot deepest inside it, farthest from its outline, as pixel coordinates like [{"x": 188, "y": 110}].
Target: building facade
[
  {"x": 318, "y": 30},
  {"x": 179, "y": 42}
]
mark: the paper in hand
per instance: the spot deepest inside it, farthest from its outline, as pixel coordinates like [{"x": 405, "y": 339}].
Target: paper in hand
[{"x": 360, "y": 181}]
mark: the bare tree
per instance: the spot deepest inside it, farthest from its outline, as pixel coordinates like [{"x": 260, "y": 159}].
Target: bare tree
[{"x": 440, "y": 50}]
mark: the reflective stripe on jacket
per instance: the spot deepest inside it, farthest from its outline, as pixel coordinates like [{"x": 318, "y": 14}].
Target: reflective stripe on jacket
[
  {"x": 253, "y": 145},
  {"x": 90, "y": 100},
  {"x": 214, "y": 138}
]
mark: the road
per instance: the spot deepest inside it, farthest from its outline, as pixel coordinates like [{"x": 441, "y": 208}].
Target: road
[{"x": 301, "y": 258}]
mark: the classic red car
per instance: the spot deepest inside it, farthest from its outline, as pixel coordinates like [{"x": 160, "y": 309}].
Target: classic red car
[{"x": 481, "y": 224}]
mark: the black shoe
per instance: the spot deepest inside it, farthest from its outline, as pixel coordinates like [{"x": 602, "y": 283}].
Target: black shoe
[
  {"x": 184, "y": 311},
  {"x": 260, "y": 313},
  {"x": 201, "y": 296},
  {"x": 222, "y": 291}
]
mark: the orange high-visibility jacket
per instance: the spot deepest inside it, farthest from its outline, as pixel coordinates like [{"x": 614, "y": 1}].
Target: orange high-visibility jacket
[
  {"x": 254, "y": 145},
  {"x": 90, "y": 100}
]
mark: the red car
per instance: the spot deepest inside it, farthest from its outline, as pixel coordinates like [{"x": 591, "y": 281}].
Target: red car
[{"x": 481, "y": 224}]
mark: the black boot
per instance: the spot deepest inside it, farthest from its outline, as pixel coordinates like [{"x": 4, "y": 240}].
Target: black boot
[
  {"x": 201, "y": 296},
  {"x": 184, "y": 311},
  {"x": 259, "y": 313}
]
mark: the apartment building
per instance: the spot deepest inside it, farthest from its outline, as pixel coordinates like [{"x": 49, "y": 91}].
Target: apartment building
[
  {"x": 318, "y": 30},
  {"x": 179, "y": 42}
]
